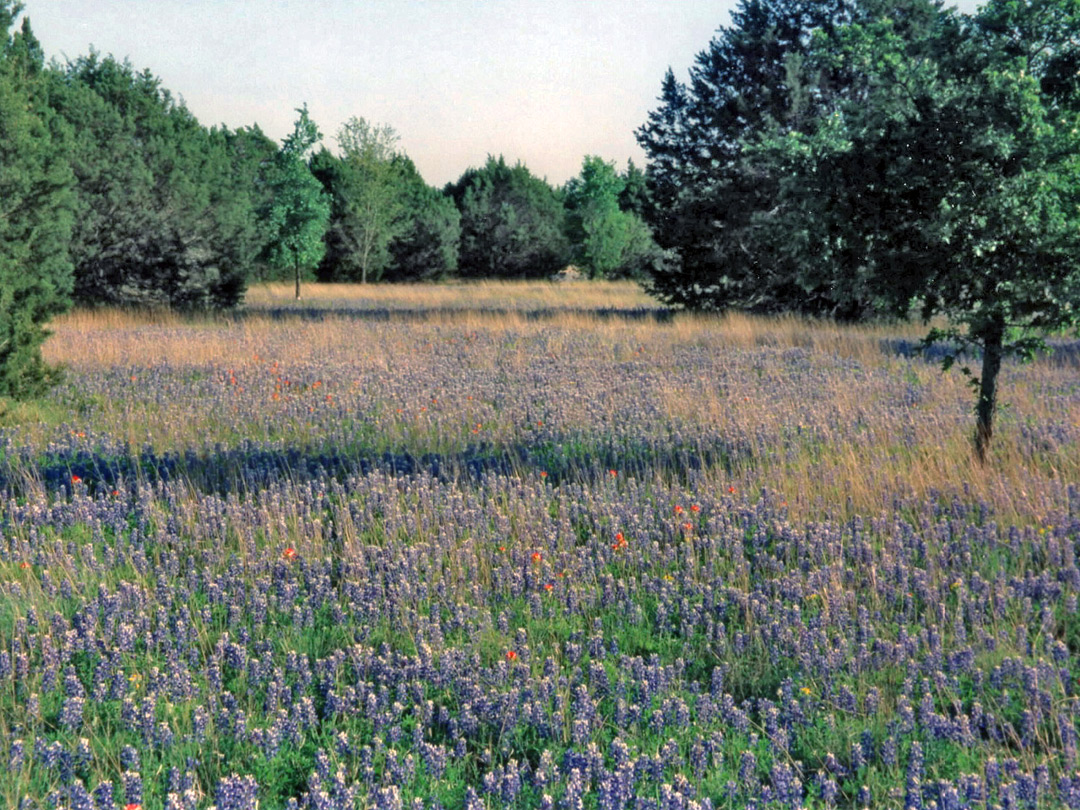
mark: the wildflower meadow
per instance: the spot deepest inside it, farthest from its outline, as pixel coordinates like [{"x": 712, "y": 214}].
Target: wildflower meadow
[{"x": 533, "y": 547}]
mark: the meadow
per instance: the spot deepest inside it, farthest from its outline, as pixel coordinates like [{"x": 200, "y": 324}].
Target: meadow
[{"x": 532, "y": 546}]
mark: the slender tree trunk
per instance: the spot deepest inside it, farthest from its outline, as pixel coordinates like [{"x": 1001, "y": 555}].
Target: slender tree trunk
[
  {"x": 993, "y": 339},
  {"x": 296, "y": 266}
]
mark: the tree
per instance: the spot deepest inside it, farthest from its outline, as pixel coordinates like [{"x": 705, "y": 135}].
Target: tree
[
  {"x": 367, "y": 187},
  {"x": 704, "y": 194},
  {"x": 386, "y": 222},
  {"x": 609, "y": 241},
  {"x": 251, "y": 156},
  {"x": 426, "y": 246},
  {"x": 634, "y": 197},
  {"x": 158, "y": 221},
  {"x": 952, "y": 182},
  {"x": 511, "y": 222},
  {"x": 35, "y": 211},
  {"x": 298, "y": 211}
]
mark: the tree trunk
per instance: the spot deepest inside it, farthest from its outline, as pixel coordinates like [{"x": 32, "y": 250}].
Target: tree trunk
[
  {"x": 993, "y": 338},
  {"x": 296, "y": 266}
]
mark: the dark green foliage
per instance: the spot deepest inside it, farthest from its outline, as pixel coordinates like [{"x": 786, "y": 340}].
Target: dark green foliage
[
  {"x": 340, "y": 262},
  {"x": 298, "y": 210},
  {"x": 511, "y": 223},
  {"x": 954, "y": 184},
  {"x": 160, "y": 221},
  {"x": 937, "y": 169},
  {"x": 426, "y": 247},
  {"x": 251, "y": 156},
  {"x": 704, "y": 194},
  {"x": 35, "y": 211},
  {"x": 634, "y": 196}
]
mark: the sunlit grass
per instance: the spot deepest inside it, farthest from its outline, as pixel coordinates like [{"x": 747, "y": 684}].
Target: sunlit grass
[
  {"x": 511, "y": 295},
  {"x": 917, "y": 448}
]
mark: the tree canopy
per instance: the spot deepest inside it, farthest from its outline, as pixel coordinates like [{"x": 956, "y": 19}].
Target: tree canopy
[
  {"x": 610, "y": 242},
  {"x": 35, "y": 210},
  {"x": 158, "y": 221},
  {"x": 935, "y": 168},
  {"x": 512, "y": 223},
  {"x": 298, "y": 210},
  {"x": 386, "y": 223}
]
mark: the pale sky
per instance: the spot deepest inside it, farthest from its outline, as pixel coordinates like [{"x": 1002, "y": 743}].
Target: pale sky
[{"x": 545, "y": 82}]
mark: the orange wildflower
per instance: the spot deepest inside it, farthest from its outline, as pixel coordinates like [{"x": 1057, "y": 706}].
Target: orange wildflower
[
  {"x": 75, "y": 479},
  {"x": 536, "y": 557},
  {"x": 289, "y": 553},
  {"x": 24, "y": 564},
  {"x": 695, "y": 508},
  {"x": 511, "y": 655}
]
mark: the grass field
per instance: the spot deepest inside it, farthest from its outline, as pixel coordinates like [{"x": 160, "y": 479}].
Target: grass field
[{"x": 532, "y": 546}]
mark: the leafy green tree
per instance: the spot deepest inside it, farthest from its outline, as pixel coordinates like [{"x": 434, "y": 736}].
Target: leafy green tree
[
  {"x": 35, "y": 211},
  {"x": 610, "y": 242},
  {"x": 369, "y": 206},
  {"x": 386, "y": 222},
  {"x": 952, "y": 183},
  {"x": 158, "y": 221},
  {"x": 511, "y": 222},
  {"x": 299, "y": 210}
]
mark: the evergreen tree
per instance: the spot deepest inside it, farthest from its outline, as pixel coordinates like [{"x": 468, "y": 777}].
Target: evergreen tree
[
  {"x": 704, "y": 194},
  {"x": 634, "y": 197},
  {"x": 251, "y": 156},
  {"x": 426, "y": 246},
  {"x": 158, "y": 221},
  {"x": 35, "y": 211},
  {"x": 919, "y": 159},
  {"x": 511, "y": 223}
]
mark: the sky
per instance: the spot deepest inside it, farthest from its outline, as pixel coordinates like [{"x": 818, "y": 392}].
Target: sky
[{"x": 545, "y": 82}]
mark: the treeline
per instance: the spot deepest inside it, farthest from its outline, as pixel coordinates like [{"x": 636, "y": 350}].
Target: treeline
[{"x": 149, "y": 207}]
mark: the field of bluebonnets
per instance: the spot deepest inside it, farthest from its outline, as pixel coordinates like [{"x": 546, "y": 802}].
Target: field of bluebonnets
[{"x": 530, "y": 547}]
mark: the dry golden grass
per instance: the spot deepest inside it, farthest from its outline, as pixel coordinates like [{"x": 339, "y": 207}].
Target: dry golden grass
[
  {"x": 510, "y": 295},
  {"x": 927, "y": 450}
]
